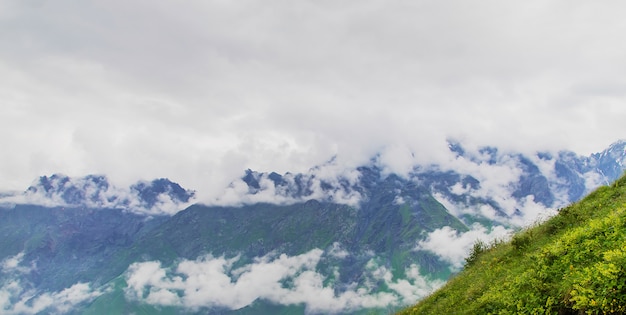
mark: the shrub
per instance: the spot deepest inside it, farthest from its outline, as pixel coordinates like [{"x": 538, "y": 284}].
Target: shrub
[
  {"x": 521, "y": 240},
  {"x": 478, "y": 248}
]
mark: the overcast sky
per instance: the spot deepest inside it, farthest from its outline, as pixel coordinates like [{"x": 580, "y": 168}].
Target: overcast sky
[{"x": 198, "y": 91}]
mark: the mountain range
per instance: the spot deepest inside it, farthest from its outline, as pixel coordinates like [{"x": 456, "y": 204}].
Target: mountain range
[{"x": 331, "y": 240}]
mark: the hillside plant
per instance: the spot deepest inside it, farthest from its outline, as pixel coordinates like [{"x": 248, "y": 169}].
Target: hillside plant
[
  {"x": 477, "y": 249},
  {"x": 574, "y": 263}
]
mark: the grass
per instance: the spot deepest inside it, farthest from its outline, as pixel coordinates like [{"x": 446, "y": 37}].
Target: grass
[{"x": 574, "y": 263}]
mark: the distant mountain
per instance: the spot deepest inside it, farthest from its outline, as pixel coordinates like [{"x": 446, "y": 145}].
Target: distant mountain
[
  {"x": 363, "y": 255},
  {"x": 331, "y": 240},
  {"x": 69, "y": 245},
  {"x": 483, "y": 183},
  {"x": 486, "y": 177},
  {"x": 157, "y": 197}
]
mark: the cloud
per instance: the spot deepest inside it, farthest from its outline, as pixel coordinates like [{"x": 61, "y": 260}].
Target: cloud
[
  {"x": 453, "y": 246},
  {"x": 337, "y": 251},
  {"x": 18, "y": 296},
  {"x": 201, "y": 91},
  {"x": 12, "y": 264},
  {"x": 498, "y": 175},
  {"x": 525, "y": 210},
  {"x": 507, "y": 181},
  {"x": 159, "y": 197},
  {"x": 496, "y": 179},
  {"x": 281, "y": 279},
  {"x": 593, "y": 180},
  {"x": 326, "y": 182},
  {"x": 16, "y": 300}
]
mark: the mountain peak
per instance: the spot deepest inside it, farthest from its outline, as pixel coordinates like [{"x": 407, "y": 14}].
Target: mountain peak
[
  {"x": 617, "y": 148},
  {"x": 70, "y": 191},
  {"x": 150, "y": 192},
  {"x": 156, "y": 197}
]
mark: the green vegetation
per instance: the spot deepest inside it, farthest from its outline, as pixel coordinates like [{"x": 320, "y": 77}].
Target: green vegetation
[
  {"x": 383, "y": 228},
  {"x": 574, "y": 263}
]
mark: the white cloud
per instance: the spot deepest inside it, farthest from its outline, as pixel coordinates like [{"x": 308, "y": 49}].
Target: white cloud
[
  {"x": 19, "y": 297},
  {"x": 201, "y": 91},
  {"x": 453, "y": 246},
  {"x": 91, "y": 193},
  {"x": 337, "y": 251},
  {"x": 286, "y": 280},
  {"x": 13, "y": 264},
  {"x": 397, "y": 159},
  {"x": 16, "y": 300},
  {"x": 496, "y": 181},
  {"x": 398, "y": 200},
  {"x": 415, "y": 286},
  {"x": 327, "y": 182},
  {"x": 530, "y": 212},
  {"x": 593, "y": 180},
  {"x": 498, "y": 177}
]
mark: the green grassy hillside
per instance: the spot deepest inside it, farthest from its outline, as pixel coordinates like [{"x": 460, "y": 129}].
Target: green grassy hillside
[{"x": 574, "y": 263}]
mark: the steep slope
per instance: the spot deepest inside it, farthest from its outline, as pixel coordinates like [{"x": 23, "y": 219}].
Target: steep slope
[
  {"x": 69, "y": 245},
  {"x": 57, "y": 253},
  {"x": 573, "y": 263}
]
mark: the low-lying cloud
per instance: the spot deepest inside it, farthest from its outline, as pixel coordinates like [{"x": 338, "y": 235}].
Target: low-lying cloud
[
  {"x": 94, "y": 191},
  {"x": 214, "y": 282},
  {"x": 327, "y": 182},
  {"x": 15, "y": 299},
  {"x": 453, "y": 246},
  {"x": 18, "y": 296}
]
